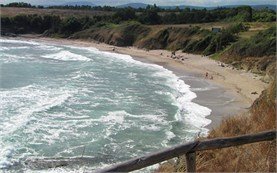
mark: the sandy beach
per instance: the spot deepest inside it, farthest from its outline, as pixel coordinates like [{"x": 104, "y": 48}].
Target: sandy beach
[{"x": 228, "y": 93}]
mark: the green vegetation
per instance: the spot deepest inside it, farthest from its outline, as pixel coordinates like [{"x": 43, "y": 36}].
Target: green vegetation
[
  {"x": 256, "y": 54},
  {"x": 262, "y": 44},
  {"x": 239, "y": 38},
  {"x": 50, "y": 24},
  {"x": 156, "y": 15},
  {"x": 19, "y": 5},
  {"x": 29, "y": 23},
  {"x": 211, "y": 42},
  {"x": 264, "y": 15}
]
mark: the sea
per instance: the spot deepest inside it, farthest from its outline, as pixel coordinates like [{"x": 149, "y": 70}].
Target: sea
[{"x": 68, "y": 101}]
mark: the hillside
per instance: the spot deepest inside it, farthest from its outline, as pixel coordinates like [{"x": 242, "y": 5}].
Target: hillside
[
  {"x": 133, "y": 5},
  {"x": 256, "y": 53},
  {"x": 79, "y": 3}
]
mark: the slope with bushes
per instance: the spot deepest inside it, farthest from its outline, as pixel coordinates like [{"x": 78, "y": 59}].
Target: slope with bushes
[
  {"x": 191, "y": 39},
  {"x": 125, "y": 34},
  {"x": 256, "y": 54}
]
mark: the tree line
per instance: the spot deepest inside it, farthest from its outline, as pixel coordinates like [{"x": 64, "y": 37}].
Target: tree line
[{"x": 156, "y": 15}]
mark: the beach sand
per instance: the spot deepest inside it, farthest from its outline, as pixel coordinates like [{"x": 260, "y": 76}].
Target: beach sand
[{"x": 227, "y": 94}]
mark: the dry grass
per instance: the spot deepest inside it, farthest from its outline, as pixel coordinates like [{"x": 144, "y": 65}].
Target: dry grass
[
  {"x": 255, "y": 28},
  {"x": 13, "y": 11},
  {"x": 202, "y": 25},
  {"x": 258, "y": 157}
]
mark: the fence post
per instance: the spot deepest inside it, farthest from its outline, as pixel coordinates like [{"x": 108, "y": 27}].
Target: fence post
[{"x": 190, "y": 162}]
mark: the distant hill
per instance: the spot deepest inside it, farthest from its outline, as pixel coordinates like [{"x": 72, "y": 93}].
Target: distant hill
[
  {"x": 142, "y": 5},
  {"x": 78, "y": 3},
  {"x": 186, "y": 6},
  {"x": 272, "y": 7},
  {"x": 133, "y": 5}
]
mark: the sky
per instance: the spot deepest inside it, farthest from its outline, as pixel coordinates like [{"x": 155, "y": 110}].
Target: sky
[{"x": 207, "y": 3}]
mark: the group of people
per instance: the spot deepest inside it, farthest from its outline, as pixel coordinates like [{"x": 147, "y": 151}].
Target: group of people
[
  {"x": 208, "y": 77},
  {"x": 174, "y": 56}
]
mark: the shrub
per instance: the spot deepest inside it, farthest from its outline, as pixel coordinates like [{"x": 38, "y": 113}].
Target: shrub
[{"x": 262, "y": 44}]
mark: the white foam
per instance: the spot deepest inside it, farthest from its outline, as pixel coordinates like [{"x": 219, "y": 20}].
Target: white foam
[
  {"x": 18, "y": 41},
  {"x": 204, "y": 88},
  {"x": 66, "y": 56},
  {"x": 27, "y": 101},
  {"x": 126, "y": 58},
  {"x": 80, "y": 74},
  {"x": 19, "y": 47},
  {"x": 189, "y": 111},
  {"x": 8, "y": 58},
  {"x": 91, "y": 49},
  {"x": 197, "y": 113},
  {"x": 6, "y": 153},
  {"x": 50, "y": 48},
  {"x": 114, "y": 117},
  {"x": 150, "y": 127},
  {"x": 4, "y": 48},
  {"x": 169, "y": 135}
]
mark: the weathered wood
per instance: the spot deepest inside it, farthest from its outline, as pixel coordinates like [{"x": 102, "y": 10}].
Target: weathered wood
[
  {"x": 191, "y": 162},
  {"x": 209, "y": 144},
  {"x": 218, "y": 143},
  {"x": 142, "y": 162}
]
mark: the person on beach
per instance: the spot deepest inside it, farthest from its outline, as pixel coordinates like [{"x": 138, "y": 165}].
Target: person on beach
[{"x": 207, "y": 75}]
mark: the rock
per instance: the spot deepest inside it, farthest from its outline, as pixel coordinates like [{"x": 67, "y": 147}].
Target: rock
[{"x": 254, "y": 93}]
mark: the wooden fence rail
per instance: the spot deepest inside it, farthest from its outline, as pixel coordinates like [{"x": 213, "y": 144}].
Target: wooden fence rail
[{"x": 189, "y": 150}]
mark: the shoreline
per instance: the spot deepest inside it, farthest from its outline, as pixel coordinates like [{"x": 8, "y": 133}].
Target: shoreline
[{"x": 228, "y": 94}]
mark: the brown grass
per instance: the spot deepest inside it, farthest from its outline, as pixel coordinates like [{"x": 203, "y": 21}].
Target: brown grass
[
  {"x": 258, "y": 157},
  {"x": 13, "y": 11}
]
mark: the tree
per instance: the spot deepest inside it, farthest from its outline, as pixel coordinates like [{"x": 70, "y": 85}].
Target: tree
[
  {"x": 150, "y": 16},
  {"x": 70, "y": 26},
  {"x": 124, "y": 14},
  {"x": 170, "y": 18}
]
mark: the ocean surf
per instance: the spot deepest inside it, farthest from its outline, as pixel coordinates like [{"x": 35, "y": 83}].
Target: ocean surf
[{"x": 68, "y": 101}]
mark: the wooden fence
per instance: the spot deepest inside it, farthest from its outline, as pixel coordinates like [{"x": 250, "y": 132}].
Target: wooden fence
[{"x": 188, "y": 150}]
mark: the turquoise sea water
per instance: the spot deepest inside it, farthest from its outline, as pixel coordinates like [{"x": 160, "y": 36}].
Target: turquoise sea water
[{"x": 56, "y": 100}]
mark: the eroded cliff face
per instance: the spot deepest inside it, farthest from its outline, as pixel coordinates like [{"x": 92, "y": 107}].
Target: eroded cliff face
[
  {"x": 141, "y": 36},
  {"x": 125, "y": 35}
]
